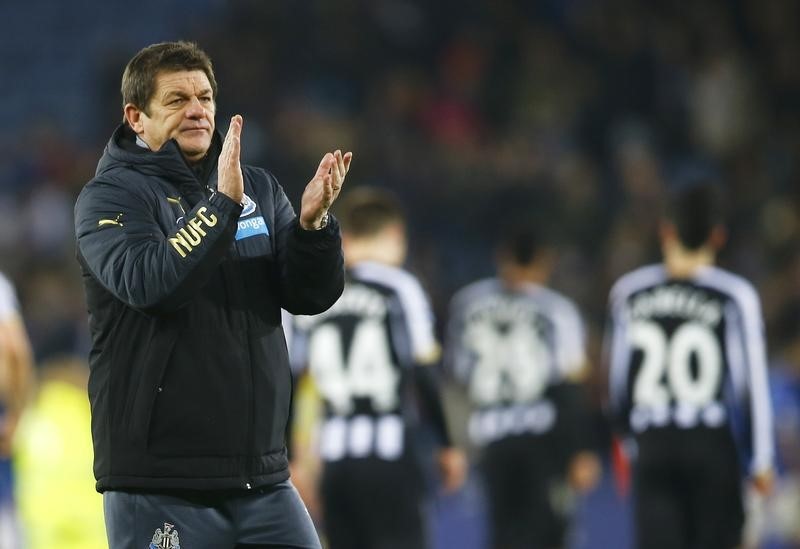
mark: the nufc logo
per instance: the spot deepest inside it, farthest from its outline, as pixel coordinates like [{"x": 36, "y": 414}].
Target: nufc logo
[
  {"x": 116, "y": 221},
  {"x": 190, "y": 236},
  {"x": 248, "y": 206},
  {"x": 168, "y": 539}
]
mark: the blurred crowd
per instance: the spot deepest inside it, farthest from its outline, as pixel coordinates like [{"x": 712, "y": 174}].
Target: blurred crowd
[{"x": 578, "y": 112}]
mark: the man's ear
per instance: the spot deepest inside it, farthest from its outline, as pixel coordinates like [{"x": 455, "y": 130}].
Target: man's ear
[
  {"x": 347, "y": 241},
  {"x": 133, "y": 116},
  {"x": 719, "y": 235},
  {"x": 667, "y": 232}
]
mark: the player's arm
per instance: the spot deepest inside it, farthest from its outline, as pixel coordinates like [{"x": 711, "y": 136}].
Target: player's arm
[
  {"x": 425, "y": 356},
  {"x": 584, "y": 466},
  {"x": 18, "y": 364},
  {"x": 583, "y": 469},
  {"x": 616, "y": 357},
  {"x": 458, "y": 360},
  {"x": 305, "y": 411},
  {"x": 451, "y": 460},
  {"x": 304, "y": 462},
  {"x": 427, "y": 389},
  {"x": 762, "y": 465}
]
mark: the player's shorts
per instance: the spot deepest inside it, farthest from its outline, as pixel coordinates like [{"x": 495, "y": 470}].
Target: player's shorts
[
  {"x": 688, "y": 490},
  {"x": 274, "y": 516},
  {"x": 526, "y": 494},
  {"x": 371, "y": 503}
]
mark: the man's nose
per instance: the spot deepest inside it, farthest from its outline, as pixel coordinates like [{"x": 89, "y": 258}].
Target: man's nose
[{"x": 195, "y": 109}]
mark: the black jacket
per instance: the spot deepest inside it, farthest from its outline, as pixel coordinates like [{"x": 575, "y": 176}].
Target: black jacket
[{"x": 190, "y": 382}]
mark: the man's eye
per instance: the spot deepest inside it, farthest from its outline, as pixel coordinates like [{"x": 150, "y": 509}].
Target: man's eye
[
  {"x": 176, "y": 101},
  {"x": 205, "y": 99}
]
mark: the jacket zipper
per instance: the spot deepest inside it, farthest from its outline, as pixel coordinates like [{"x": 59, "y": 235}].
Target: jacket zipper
[
  {"x": 251, "y": 389},
  {"x": 230, "y": 288}
]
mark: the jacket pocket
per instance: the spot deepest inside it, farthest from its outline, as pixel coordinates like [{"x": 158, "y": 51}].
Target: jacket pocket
[
  {"x": 272, "y": 383},
  {"x": 146, "y": 374},
  {"x": 201, "y": 405}
]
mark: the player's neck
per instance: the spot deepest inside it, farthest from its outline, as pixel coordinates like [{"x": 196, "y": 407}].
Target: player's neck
[
  {"x": 370, "y": 251},
  {"x": 683, "y": 263},
  {"x": 516, "y": 277}
]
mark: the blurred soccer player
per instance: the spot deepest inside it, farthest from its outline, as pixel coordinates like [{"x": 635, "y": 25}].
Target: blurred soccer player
[
  {"x": 519, "y": 349},
  {"x": 688, "y": 381},
  {"x": 371, "y": 358},
  {"x": 15, "y": 379},
  {"x": 57, "y": 503}
]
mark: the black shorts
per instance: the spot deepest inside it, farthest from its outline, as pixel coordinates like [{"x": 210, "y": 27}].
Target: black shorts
[
  {"x": 688, "y": 491},
  {"x": 526, "y": 494},
  {"x": 370, "y": 503}
]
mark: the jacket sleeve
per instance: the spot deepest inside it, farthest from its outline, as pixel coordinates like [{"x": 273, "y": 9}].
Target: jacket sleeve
[
  {"x": 311, "y": 262},
  {"x": 122, "y": 245}
]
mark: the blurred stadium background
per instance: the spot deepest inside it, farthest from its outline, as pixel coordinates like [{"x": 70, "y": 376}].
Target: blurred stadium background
[{"x": 579, "y": 112}]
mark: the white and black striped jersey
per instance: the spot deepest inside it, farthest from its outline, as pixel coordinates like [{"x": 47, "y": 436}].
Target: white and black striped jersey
[
  {"x": 360, "y": 354},
  {"x": 510, "y": 348},
  {"x": 690, "y": 354},
  {"x": 8, "y": 299}
]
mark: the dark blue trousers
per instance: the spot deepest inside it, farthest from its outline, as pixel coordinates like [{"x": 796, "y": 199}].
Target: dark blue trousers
[{"x": 273, "y": 517}]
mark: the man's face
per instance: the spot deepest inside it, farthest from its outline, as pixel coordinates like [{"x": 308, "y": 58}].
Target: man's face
[{"x": 182, "y": 108}]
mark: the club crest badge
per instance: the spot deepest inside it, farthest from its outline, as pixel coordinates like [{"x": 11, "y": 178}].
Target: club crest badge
[
  {"x": 248, "y": 206},
  {"x": 166, "y": 539}
]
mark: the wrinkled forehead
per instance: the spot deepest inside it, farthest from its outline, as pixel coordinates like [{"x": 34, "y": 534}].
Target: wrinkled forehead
[{"x": 194, "y": 82}]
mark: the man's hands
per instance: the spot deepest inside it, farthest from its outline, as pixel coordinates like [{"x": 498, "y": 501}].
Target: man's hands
[
  {"x": 320, "y": 193},
  {"x": 764, "y": 482},
  {"x": 8, "y": 426},
  {"x": 323, "y": 189},
  {"x": 584, "y": 471},
  {"x": 305, "y": 478},
  {"x": 452, "y": 467},
  {"x": 230, "y": 181}
]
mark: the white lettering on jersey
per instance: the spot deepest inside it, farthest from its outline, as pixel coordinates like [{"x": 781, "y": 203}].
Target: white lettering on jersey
[
  {"x": 666, "y": 375},
  {"x": 678, "y": 302},
  {"x": 510, "y": 367},
  {"x": 367, "y": 372}
]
